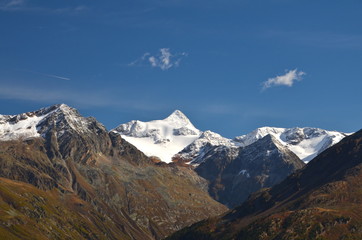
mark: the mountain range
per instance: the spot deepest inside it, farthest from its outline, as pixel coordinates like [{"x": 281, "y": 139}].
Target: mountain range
[
  {"x": 235, "y": 167},
  {"x": 64, "y": 176},
  {"x": 321, "y": 201},
  {"x": 176, "y": 137},
  {"x": 141, "y": 180}
]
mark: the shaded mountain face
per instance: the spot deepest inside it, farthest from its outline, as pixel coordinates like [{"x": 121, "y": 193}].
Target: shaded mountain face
[
  {"x": 234, "y": 173},
  {"x": 111, "y": 190},
  {"x": 321, "y": 201}
]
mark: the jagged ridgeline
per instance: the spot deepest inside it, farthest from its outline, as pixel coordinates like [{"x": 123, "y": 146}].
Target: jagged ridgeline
[
  {"x": 321, "y": 201},
  {"x": 71, "y": 178},
  {"x": 63, "y": 176},
  {"x": 235, "y": 167}
]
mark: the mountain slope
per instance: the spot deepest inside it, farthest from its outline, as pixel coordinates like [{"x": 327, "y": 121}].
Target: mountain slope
[
  {"x": 322, "y": 201},
  {"x": 67, "y": 155},
  {"x": 234, "y": 173},
  {"x": 27, "y": 212}
]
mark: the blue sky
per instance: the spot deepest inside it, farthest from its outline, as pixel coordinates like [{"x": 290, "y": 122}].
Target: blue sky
[{"x": 230, "y": 66}]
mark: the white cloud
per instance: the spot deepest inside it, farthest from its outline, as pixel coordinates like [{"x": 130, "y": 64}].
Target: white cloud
[
  {"x": 163, "y": 60},
  {"x": 287, "y": 79}
]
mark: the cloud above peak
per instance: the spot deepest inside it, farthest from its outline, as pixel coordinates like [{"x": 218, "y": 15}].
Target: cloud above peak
[
  {"x": 287, "y": 79},
  {"x": 164, "y": 59}
]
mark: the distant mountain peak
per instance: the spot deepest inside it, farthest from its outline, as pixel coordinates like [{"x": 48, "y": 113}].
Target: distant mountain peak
[
  {"x": 178, "y": 113},
  {"x": 38, "y": 123},
  {"x": 161, "y": 138},
  {"x": 306, "y": 142},
  {"x": 54, "y": 108},
  {"x": 178, "y": 117},
  {"x": 63, "y": 106}
]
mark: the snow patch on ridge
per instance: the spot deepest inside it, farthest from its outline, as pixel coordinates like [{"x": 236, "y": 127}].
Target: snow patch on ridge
[
  {"x": 198, "y": 149},
  {"x": 20, "y": 126}
]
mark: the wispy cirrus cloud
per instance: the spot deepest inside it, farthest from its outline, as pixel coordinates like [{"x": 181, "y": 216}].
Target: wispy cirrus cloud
[
  {"x": 84, "y": 98},
  {"x": 26, "y": 6},
  {"x": 51, "y": 95},
  {"x": 14, "y": 3},
  {"x": 164, "y": 60},
  {"x": 287, "y": 79},
  {"x": 11, "y": 5},
  {"x": 318, "y": 39},
  {"x": 47, "y": 75}
]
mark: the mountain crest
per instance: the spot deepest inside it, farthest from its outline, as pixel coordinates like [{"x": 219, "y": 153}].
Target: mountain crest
[
  {"x": 178, "y": 117},
  {"x": 161, "y": 138},
  {"x": 38, "y": 123},
  {"x": 305, "y": 142}
]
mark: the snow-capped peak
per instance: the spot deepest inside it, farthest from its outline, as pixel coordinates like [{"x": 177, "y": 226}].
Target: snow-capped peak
[
  {"x": 38, "y": 123},
  {"x": 306, "y": 142},
  {"x": 257, "y": 134},
  {"x": 178, "y": 118},
  {"x": 160, "y": 138}
]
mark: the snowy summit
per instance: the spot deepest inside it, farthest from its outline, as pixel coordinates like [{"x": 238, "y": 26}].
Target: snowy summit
[
  {"x": 160, "y": 138},
  {"x": 306, "y": 142}
]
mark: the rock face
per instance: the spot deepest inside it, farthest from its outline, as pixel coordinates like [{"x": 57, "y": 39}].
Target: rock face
[
  {"x": 234, "y": 173},
  {"x": 321, "y": 201},
  {"x": 109, "y": 188}
]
